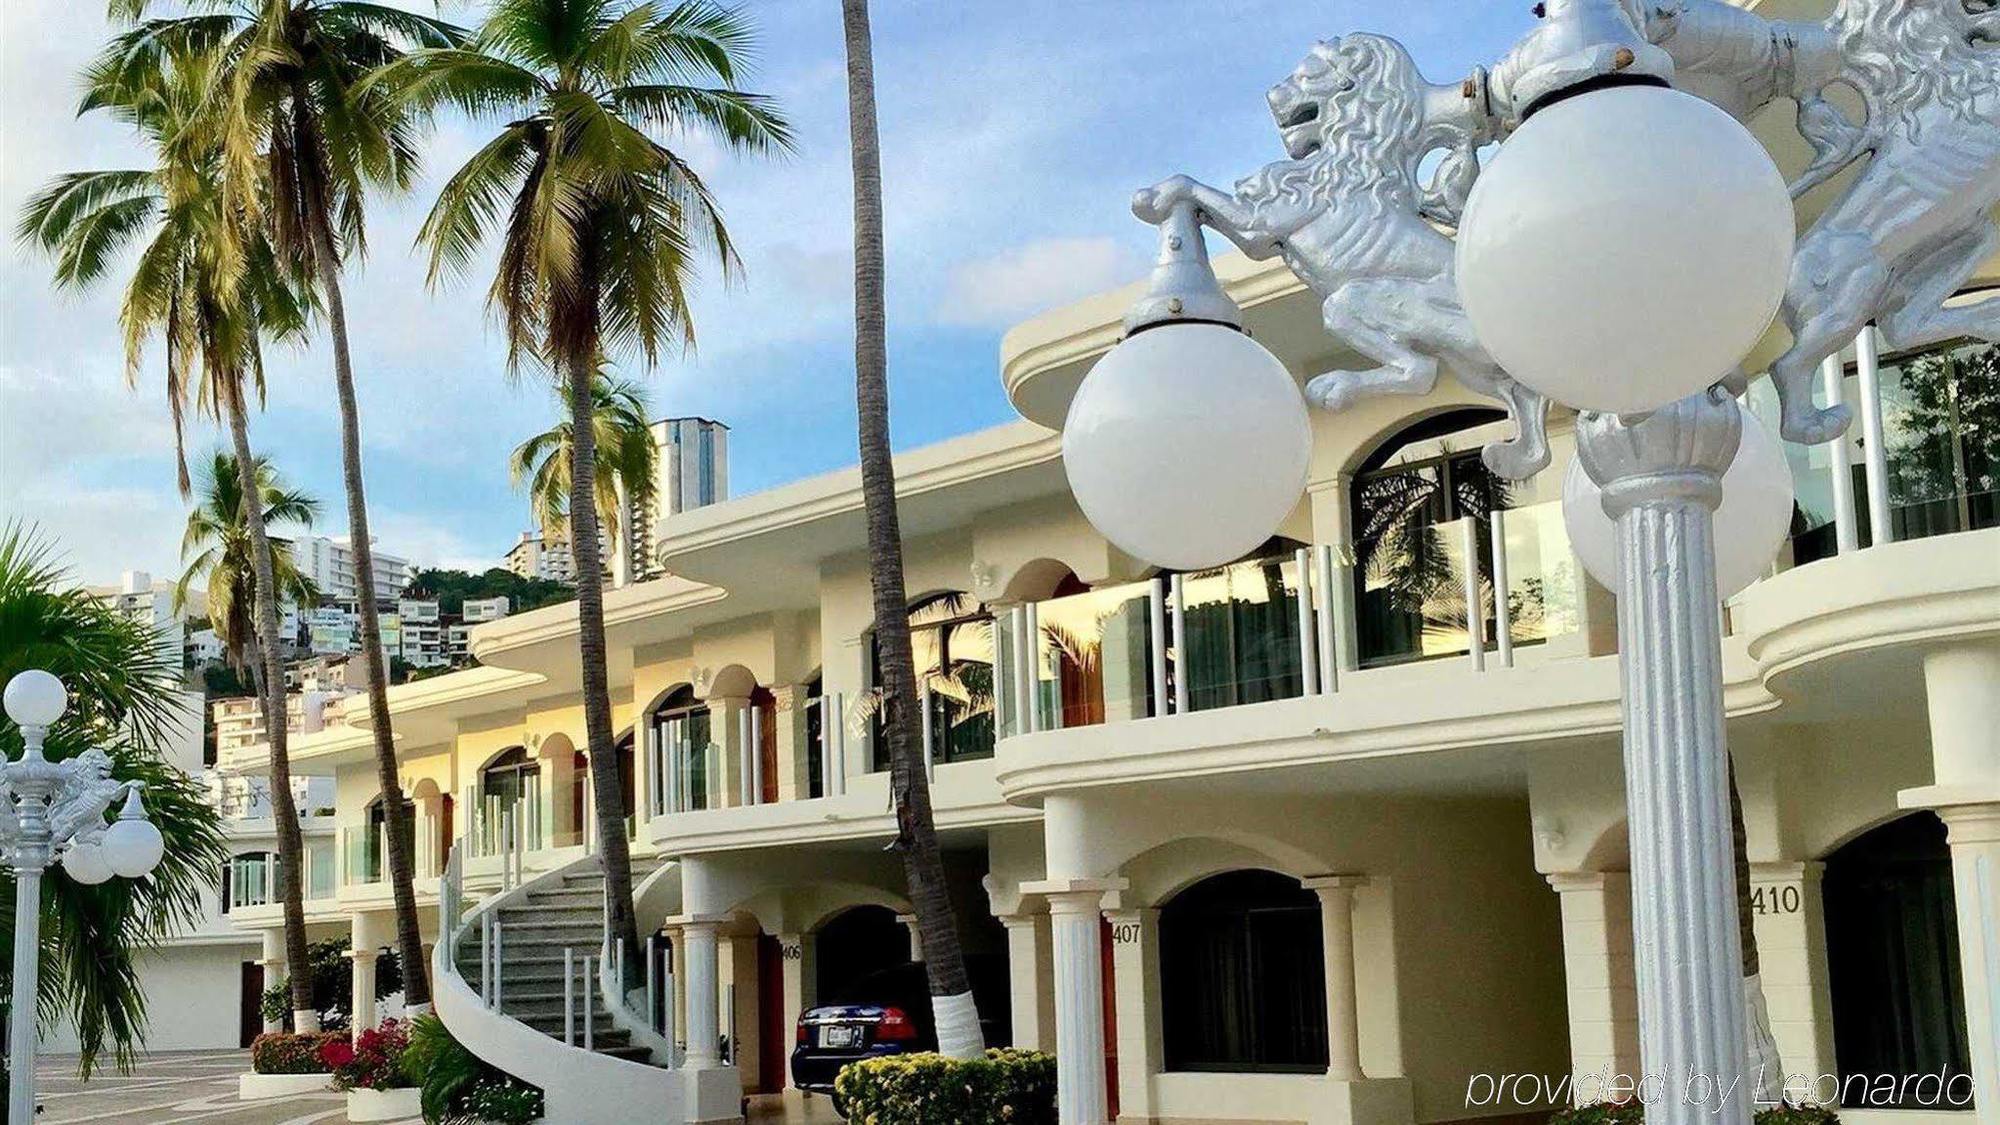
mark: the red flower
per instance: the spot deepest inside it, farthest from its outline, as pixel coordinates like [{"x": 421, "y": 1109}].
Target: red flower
[{"x": 336, "y": 1053}]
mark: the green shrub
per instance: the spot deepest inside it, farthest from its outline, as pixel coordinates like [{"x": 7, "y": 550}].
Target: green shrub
[
  {"x": 1007, "y": 1087},
  {"x": 287, "y": 1052},
  {"x": 1633, "y": 1112},
  {"x": 459, "y": 1089}
]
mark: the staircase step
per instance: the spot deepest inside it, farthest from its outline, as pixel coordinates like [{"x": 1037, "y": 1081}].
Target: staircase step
[{"x": 629, "y": 1054}]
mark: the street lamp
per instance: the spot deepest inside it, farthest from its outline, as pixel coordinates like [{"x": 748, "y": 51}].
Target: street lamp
[
  {"x": 1621, "y": 253},
  {"x": 49, "y": 809}
]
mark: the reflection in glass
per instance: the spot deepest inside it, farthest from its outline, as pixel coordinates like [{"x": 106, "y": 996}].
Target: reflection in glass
[
  {"x": 1242, "y": 642},
  {"x": 1092, "y": 661},
  {"x": 951, "y": 639}
]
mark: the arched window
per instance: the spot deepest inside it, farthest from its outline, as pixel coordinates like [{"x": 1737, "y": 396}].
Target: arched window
[
  {"x": 1247, "y": 992},
  {"x": 1892, "y": 956},
  {"x": 1409, "y": 548},
  {"x": 951, "y": 639},
  {"x": 249, "y": 879},
  {"x": 510, "y": 783},
  {"x": 681, "y": 732}
]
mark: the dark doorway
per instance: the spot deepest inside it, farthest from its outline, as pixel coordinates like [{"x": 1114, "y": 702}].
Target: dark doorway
[
  {"x": 1892, "y": 956},
  {"x": 252, "y": 1018},
  {"x": 771, "y": 1039},
  {"x": 1249, "y": 982},
  {"x": 857, "y": 942}
]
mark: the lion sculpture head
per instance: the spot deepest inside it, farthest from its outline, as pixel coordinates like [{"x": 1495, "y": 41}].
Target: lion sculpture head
[
  {"x": 1910, "y": 53},
  {"x": 1351, "y": 116}
]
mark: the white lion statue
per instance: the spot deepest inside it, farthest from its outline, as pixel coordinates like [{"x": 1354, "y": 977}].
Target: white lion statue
[{"x": 1348, "y": 214}]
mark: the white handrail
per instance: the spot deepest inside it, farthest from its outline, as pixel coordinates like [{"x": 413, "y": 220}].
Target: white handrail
[
  {"x": 1503, "y": 614},
  {"x": 1874, "y": 453},
  {"x": 839, "y": 786},
  {"x": 1156, "y": 619},
  {"x": 1308, "y": 635},
  {"x": 1177, "y": 606},
  {"x": 1475, "y": 606},
  {"x": 1325, "y": 575}
]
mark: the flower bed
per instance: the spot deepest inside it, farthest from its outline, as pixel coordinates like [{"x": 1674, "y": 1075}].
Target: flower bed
[
  {"x": 286, "y": 1052},
  {"x": 373, "y": 1061}
]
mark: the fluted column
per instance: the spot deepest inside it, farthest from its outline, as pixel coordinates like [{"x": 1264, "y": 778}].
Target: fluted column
[
  {"x": 704, "y": 1029},
  {"x": 1661, "y": 478},
  {"x": 1030, "y": 965},
  {"x": 1075, "y": 907},
  {"x": 363, "y": 999},
  {"x": 1343, "y": 1026}
]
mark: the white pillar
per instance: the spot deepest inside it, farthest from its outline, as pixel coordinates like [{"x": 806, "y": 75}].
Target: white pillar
[
  {"x": 1030, "y": 967},
  {"x": 1074, "y": 921},
  {"x": 273, "y": 961},
  {"x": 1974, "y": 832},
  {"x": 798, "y": 967},
  {"x": 704, "y": 1031},
  {"x": 909, "y": 922},
  {"x": 1962, "y": 686},
  {"x": 363, "y": 1000},
  {"x": 1602, "y": 997},
  {"x": 1343, "y": 1030},
  {"x": 1135, "y": 960}
]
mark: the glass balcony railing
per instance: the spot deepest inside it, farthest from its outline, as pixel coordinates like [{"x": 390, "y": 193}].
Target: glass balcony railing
[
  {"x": 1092, "y": 660},
  {"x": 363, "y": 850}
]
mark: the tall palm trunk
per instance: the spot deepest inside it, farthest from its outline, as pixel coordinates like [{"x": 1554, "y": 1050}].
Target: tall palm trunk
[
  {"x": 1765, "y": 1068},
  {"x": 401, "y": 818},
  {"x": 916, "y": 833},
  {"x": 271, "y": 697},
  {"x": 606, "y": 787}
]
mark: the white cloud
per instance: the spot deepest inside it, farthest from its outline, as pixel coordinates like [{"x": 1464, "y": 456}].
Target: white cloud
[
  {"x": 1028, "y": 279},
  {"x": 420, "y": 538}
]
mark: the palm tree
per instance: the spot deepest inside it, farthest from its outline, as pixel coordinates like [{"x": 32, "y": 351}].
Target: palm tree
[
  {"x": 211, "y": 293},
  {"x": 301, "y": 146},
  {"x": 217, "y": 551},
  {"x": 125, "y": 700},
  {"x": 625, "y": 463},
  {"x": 916, "y": 832},
  {"x": 601, "y": 227}
]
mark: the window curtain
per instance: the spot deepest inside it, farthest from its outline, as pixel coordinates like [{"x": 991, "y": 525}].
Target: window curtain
[{"x": 1243, "y": 970}]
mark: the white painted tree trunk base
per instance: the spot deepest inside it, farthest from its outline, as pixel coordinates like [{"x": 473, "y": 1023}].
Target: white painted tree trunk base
[{"x": 958, "y": 1032}]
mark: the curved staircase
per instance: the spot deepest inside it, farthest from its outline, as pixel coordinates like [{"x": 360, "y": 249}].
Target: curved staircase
[{"x": 520, "y": 979}]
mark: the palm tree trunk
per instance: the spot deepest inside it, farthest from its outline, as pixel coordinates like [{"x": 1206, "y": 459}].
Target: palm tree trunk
[
  {"x": 271, "y": 696},
  {"x": 606, "y": 787},
  {"x": 401, "y": 819},
  {"x": 1765, "y": 1066},
  {"x": 916, "y": 832}
]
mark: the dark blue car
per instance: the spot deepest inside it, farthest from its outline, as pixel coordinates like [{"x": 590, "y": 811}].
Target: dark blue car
[{"x": 887, "y": 1012}]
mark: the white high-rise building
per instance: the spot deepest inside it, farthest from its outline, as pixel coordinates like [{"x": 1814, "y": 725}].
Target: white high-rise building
[
  {"x": 329, "y": 563},
  {"x": 691, "y": 471},
  {"x": 533, "y": 556},
  {"x": 151, "y": 603}
]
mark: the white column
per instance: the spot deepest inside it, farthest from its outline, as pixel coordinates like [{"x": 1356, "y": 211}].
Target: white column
[
  {"x": 1962, "y": 687},
  {"x": 363, "y": 999},
  {"x": 1135, "y": 960},
  {"x": 1074, "y": 921},
  {"x": 1661, "y": 477},
  {"x": 704, "y": 1031},
  {"x": 1343, "y": 1029},
  {"x": 797, "y": 965},
  {"x": 1598, "y": 978},
  {"x": 1030, "y": 967},
  {"x": 273, "y": 961},
  {"x": 909, "y": 922},
  {"x": 1974, "y": 832}
]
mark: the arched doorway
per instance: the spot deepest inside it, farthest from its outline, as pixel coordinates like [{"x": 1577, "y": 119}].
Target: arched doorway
[
  {"x": 509, "y": 786},
  {"x": 1892, "y": 958},
  {"x": 1242, "y": 953},
  {"x": 856, "y": 943},
  {"x": 682, "y": 735}
]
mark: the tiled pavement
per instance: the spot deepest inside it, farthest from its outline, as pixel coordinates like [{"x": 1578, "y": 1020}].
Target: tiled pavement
[
  {"x": 172, "y": 1088},
  {"x": 182, "y": 1088}
]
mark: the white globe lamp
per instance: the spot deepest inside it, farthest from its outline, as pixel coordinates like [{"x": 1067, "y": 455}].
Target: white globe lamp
[
  {"x": 35, "y": 698},
  {"x": 133, "y": 845},
  {"x": 1187, "y": 445},
  {"x": 1750, "y": 524},
  {"x": 1625, "y": 248},
  {"x": 85, "y": 864}
]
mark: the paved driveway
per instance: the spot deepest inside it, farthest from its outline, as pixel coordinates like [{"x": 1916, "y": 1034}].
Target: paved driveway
[{"x": 172, "y": 1088}]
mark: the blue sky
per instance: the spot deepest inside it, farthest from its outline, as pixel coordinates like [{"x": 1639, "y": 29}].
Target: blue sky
[{"x": 1013, "y": 135}]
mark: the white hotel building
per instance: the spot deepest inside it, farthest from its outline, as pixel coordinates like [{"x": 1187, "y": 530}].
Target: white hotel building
[{"x": 1323, "y": 836}]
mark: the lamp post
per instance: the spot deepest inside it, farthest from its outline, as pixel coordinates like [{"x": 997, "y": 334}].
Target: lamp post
[
  {"x": 1622, "y": 252},
  {"x": 50, "y": 809}
]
